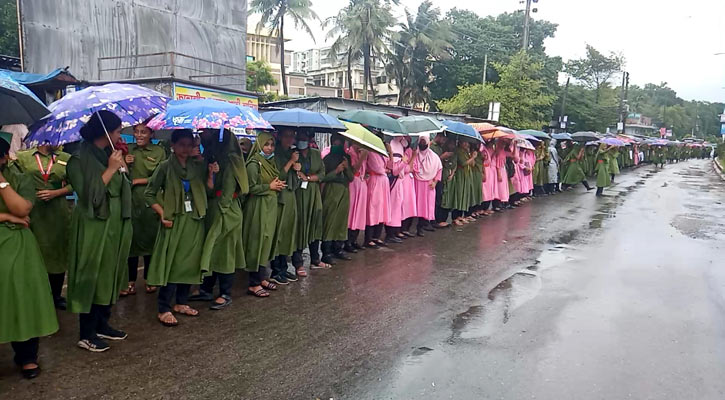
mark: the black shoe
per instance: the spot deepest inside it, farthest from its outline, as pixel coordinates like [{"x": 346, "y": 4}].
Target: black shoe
[
  {"x": 201, "y": 296},
  {"x": 94, "y": 345},
  {"x": 342, "y": 256},
  {"x": 429, "y": 228},
  {"x": 291, "y": 277},
  {"x": 219, "y": 306},
  {"x": 350, "y": 249},
  {"x": 280, "y": 280},
  {"x": 328, "y": 260},
  {"x": 420, "y": 234},
  {"x": 112, "y": 334},
  {"x": 408, "y": 234},
  {"x": 31, "y": 373},
  {"x": 60, "y": 304},
  {"x": 358, "y": 246},
  {"x": 393, "y": 239}
]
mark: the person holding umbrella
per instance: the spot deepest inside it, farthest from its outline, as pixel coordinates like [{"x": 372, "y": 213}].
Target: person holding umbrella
[
  {"x": 258, "y": 231},
  {"x": 574, "y": 172},
  {"x": 143, "y": 158},
  {"x": 100, "y": 230},
  {"x": 462, "y": 195},
  {"x": 335, "y": 200},
  {"x": 443, "y": 148},
  {"x": 50, "y": 218},
  {"x": 402, "y": 191},
  {"x": 26, "y": 302},
  {"x": 604, "y": 179},
  {"x": 358, "y": 197},
  {"x": 427, "y": 170},
  {"x": 378, "y": 212}
]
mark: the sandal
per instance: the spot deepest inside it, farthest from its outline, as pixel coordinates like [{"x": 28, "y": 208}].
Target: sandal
[
  {"x": 269, "y": 285},
  {"x": 321, "y": 265},
  {"x": 186, "y": 310},
  {"x": 380, "y": 243},
  {"x": 132, "y": 289},
  {"x": 371, "y": 245},
  {"x": 258, "y": 293},
  {"x": 301, "y": 272},
  {"x": 150, "y": 289},
  {"x": 123, "y": 293},
  {"x": 167, "y": 319}
]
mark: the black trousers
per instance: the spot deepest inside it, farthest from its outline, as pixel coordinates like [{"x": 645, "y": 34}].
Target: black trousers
[
  {"x": 315, "y": 252},
  {"x": 133, "y": 267},
  {"x": 297, "y": 259},
  {"x": 279, "y": 265},
  {"x": 256, "y": 278},
  {"x": 26, "y": 352},
  {"x": 330, "y": 248},
  {"x": 373, "y": 232},
  {"x": 95, "y": 321},
  {"x": 352, "y": 235},
  {"x": 226, "y": 281},
  {"x": 56, "y": 284},
  {"x": 486, "y": 205},
  {"x": 440, "y": 212},
  {"x": 407, "y": 223},
  {"x": 167, "y": 292}
]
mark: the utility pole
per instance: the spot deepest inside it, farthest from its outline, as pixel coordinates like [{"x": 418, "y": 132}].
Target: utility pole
[
  {"x": 623, "y": 101},
  {"x": 626, "y": 94},
  {"x": 527, "y": 17},
  {"x": 562, "y": 114},
  {"x": 485, "y": 67}
]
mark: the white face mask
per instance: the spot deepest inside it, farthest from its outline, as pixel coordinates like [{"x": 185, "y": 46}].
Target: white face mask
[{"x": 303, "y": 144}]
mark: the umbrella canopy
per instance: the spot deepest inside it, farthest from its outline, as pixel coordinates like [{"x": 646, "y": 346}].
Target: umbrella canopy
[
  {"x": 132, "y": 103},
  {"x": 535, "y": 133},
  {"x": 419, "y": 125},
  {"x": 483, "y": 127},
  {"x": 612, "y": 141},
  {"x": 374, "y": 119},
  {"x": 561, "y": 136},
  {"x": 358, "y": 134},
  {"x": 19, "y": 104},
  {"x": 584, "y": 136},
  {"x": 523, "y": 143},
  {"x": 498, "y": 134},
  {"x": 207, "y": 114},
  {"x": 462, "y": 129},
  {"x": 301, "y": 118},
  {"x": 527, "y": 137}
]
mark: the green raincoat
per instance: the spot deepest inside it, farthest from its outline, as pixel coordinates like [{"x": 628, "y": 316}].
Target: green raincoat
[
  {"x": 49, "y": 220},
  {"x": 177, "y": 251},
  {"x": 613, "y": 161},
  {"x": 574, "y": 172},
  {"x": 309, "y": 200},
  {"x": 260, "y": 208},
  {"x": 336, "y": 197},
  {"x": 145, "y": 220},
  {"x": 25, "y": 298},
  {"x": 604, "y": 179},
  {"x": 100, "y": 231},
  {"x": 541, "y": 166}
]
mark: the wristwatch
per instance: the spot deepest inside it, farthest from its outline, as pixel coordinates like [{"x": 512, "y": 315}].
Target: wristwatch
[{"x": 3, "y": 185}]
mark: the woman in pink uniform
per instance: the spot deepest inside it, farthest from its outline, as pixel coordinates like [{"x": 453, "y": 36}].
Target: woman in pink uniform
[
  {"x": 358, "y": 197},
  {"x": 489, "y": 177},
  {"x": 517, "y": 181},
  {"x": 402, "y": 191},
  {"x": 502, "y": 187},
  {"x": 427, "y": 170},
  {"x": 378, "y": 212}
]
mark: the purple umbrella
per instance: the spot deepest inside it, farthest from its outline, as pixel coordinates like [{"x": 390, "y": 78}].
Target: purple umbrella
[
  {"x": 132, "y": 103},
  {"x": 612, "y": 141}
]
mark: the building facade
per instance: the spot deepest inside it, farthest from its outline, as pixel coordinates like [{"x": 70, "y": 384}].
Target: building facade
[{"x": 263, "y": 47}]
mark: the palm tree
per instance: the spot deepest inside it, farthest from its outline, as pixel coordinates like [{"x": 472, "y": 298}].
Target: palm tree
[
  {"x": 376, "y": 19},
  {"x": 345, "y": 28},
  {"x": 273, "y": 13}
]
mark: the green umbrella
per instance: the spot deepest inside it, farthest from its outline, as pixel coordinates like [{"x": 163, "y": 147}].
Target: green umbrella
[
  {"x": 419, "y": 125},
  {"x": 374, "y": 119},
  {"x": 358, "y": 134},
  {"x": 535, "y": 133}
]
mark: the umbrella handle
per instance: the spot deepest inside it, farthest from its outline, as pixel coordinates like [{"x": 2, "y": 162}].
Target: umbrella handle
[{"x": 108, "y": 136}]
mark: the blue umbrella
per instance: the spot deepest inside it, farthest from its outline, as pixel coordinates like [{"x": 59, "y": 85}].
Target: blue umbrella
[
  {"x": 462, "y": 129},
  {"x": 301, "y": 118},
  {"x": 19, "y": 104},
  {"x": 207, "y": 114},
  {"x": 561, "y": 136},
  {"x": 132, "y": 103}
]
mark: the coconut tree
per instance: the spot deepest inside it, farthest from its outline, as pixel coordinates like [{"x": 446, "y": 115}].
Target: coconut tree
[
  {"x": 273, "y": 18},
  {"x": 345, "y": 28},
  {"x": 376, "y": 20}
]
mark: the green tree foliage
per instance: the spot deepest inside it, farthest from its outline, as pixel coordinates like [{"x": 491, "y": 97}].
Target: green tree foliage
[
  {"x": 273, "y": 17},
  {"x": 519, "y": 89},
  {"x": 9, "y": 45},
  {"x": 422, "y": 41},
  {"x": 596, "y": 70},
  {"x": 259, "y": 75}
]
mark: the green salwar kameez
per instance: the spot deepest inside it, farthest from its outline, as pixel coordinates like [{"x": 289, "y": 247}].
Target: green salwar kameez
[
  {"x": 25, "y": 299},
  {"x": 49, "y": 220},
  {"x": 604, "y": 179},
  {"x": 145, "y": 221},
  {"x": 309, "y": 200},
  {"x": 460, "y": 186},
  {"x": 613, "y": 161},
  {"x": 260, "y": 208},
  {"x": 176, "y": 257},
  {"x": 336, "y": 198},
  {"x": 574, "y": 172},
  {"x": 100, "y": 231},
  {"x": 477, "y": 181},
  {"x": 449, "y": 165},
  {"x": 285, "y": 242}
]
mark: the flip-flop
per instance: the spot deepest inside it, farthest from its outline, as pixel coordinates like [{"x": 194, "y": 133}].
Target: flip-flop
[
  {"x": 187, "y": 311},
  {"x": 165, "y": 323},
  {"x": 258, "y": 293},
  {"x": 321, "y": 265}
]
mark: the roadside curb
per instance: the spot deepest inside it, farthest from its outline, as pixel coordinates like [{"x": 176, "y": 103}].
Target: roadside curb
[{"x": 718, "y": 168}]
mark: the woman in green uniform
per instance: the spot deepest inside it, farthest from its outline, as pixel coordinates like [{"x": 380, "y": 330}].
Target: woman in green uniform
[
  {"x": 604, "y": 179},
  {"x": 100, "y": 231},
  {"x": 223, "y": 248},
  {"x": 477, "y": 184},
  {"x": 541, "y": 167},
  {"x": 309, "y": 202},
  {"x": 574, "y": 171},
  {"x": 285, "y": 242},
  {"x": 142, "y": 159},
  {"x": 613, "y": 162},
  {"x": 261, "y": 211},
  {"x": 176, "y": 258},
  {"x": 50, "y": 217},
  {"x": 590, "y": 160},
  {"x": 25, "y": 300},
  {"x": 444, "y": 148},
  {"x": 335, "y": 198},
  {"x": 461, "y": 195}
]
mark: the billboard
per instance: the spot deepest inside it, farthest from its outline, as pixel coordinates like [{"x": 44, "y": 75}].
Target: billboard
[{"x": 184, "y": 92}]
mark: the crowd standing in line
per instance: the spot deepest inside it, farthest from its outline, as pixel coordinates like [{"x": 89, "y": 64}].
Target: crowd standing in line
[{"x": 195, "y": 217}]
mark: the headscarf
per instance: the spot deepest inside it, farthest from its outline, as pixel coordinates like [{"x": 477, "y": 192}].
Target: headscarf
[
  {"x": 173, "y": 197},
  {"x": 94, "y": 128},
  {"x": 427, "y": 163},
  {"x": 333, "y": 159},
  {"x": 93, "y": 161},
  {"x": 267, "y": 168}
]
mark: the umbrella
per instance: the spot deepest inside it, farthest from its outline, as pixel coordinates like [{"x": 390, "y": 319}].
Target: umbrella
[
  {"x": 535, "y": 133},
  {"x": 527, "y": 137},
  {"x": 612, "y": 141},
  {"x": 208, "y": 114},
  {"x": 419, "y": 125},
  {"x": 462, "y": 129},
  {"x": 584, "y": 136},
  {"x": 132, "y": 103},
  {"x": 374, "y": 119},
  {"x": 301, "y": 118},
  {"x": 19, "y": 104},
  {"x": 498, "y": 134},
  {"x": 358, "y": 134},
  {"x": 523, "y": 143},
  {"x": 483, "y": 127},
  {"x": 561, "y": 136}
]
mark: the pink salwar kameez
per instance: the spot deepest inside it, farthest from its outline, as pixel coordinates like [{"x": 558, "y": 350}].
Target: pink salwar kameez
[
  {"x": 502, "y": 186},
  {"x": 378, "y": 211},
  {"x": 357, "y": 215},
  {"x": 427, "y": 170},
  {"x": 402, "y": 194},
  {"x": 489, "y": 169}
]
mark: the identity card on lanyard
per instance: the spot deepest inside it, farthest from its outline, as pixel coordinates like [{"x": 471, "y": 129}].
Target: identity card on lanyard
[{"x": 187, "y": 195}]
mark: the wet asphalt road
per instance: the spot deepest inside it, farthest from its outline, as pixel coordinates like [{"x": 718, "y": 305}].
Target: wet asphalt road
[{"x": 567, "y": 297}]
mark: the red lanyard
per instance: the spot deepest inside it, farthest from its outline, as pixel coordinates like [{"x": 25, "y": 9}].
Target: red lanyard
[{"x": 45, "y": 173}]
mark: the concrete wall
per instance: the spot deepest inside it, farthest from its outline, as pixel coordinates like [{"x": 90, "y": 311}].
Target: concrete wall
[{"x": 75, "y": 33}]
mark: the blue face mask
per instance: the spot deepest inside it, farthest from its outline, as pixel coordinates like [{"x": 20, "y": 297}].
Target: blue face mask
[
  {"x": 267, "y": 156},
  {"x": 302, "y": 144}
]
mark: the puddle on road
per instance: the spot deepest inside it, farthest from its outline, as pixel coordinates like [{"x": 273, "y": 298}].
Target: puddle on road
[{"x": 699, "y": 226}]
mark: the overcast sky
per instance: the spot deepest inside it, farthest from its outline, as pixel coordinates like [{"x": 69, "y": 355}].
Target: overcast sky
[{"x": 670, "y": 41}]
